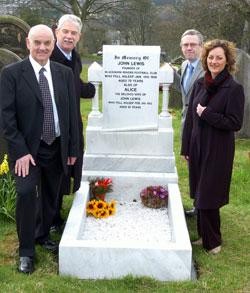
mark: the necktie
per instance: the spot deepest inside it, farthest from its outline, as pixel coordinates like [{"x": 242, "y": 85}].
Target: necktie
[
  {"x": 49, "y": 133},
  {"x": 189, "y": 73}
]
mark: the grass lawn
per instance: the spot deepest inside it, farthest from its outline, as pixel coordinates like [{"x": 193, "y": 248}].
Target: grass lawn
[{"x": 229, "y": 271}]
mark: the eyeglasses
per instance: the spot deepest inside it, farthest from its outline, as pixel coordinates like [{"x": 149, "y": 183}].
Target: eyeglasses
[{"x": 192, "y": 45}]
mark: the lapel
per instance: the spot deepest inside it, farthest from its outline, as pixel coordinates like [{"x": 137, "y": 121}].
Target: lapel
[{"x": 30, "y": 77}]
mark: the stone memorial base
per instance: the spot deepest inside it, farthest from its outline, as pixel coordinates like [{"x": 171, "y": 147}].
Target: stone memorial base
[{"x": 98, "y": 259}]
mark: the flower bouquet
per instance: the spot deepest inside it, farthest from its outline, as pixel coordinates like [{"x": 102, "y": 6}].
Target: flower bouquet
[
  {"x": 154, "y": 197},
  {"x": 98, "y": 188},
  {"x": 101, "y": 209}
]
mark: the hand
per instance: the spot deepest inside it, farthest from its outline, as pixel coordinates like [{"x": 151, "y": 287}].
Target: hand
[
  {"x": 200, "y": 109},
  {"x": 23, "y": 164},
  {"x": 71, "y": 161},
  {"x": 185, "y": 158}
]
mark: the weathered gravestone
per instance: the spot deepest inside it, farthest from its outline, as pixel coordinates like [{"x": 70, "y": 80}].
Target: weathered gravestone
[
  {"x": 13, "y": 32},
  {"x": 243, "y": 76},
  {"x": 133, "y": 144}
]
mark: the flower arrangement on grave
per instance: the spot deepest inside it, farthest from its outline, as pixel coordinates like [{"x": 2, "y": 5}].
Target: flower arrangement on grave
[
  {"x": 7, "y": 191},
  {"x": 98, "y": 188},
  {"x": 97, "y": 206},
  {"x": 154, "y": 197},
  {"x": 101, "y": 209}
]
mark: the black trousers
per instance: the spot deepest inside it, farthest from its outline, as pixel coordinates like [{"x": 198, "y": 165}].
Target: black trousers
[
  {"x": 208, "y": 226},
  {"x": 36, "y": 197}
]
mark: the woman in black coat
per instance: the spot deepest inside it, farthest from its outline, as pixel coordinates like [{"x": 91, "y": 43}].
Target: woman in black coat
[{"x": 215, "y": 112}]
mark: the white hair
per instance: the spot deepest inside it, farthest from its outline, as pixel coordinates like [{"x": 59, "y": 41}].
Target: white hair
[
  {"x": 38, "y": 28},
  {"x": 71, "y": 18}
]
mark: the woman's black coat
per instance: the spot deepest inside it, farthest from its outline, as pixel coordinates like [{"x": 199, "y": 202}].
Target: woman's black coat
[{"x": 210, "y": 143}]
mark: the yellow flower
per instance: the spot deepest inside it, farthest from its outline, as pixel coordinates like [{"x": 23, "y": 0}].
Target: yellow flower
[
  {"x": 4, "y": 167},
  {"x": 91, "y": 206},
  {"x": 104, "y": 213}
]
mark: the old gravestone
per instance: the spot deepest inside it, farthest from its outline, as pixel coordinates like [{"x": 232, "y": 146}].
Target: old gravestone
[
  {"x": 133, "y": 144},
  {"x": 13, "y": 32}
]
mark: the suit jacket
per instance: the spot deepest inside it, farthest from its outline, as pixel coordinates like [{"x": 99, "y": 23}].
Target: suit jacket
[
  {"x": 22, "y": 109},
  {"x": 83, "y": 90},
  {"x": 198, "y": 73}
]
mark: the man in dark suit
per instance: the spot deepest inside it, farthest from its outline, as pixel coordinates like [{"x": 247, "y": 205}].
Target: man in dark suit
[
  {"x": 68, "y": 34},
  {"x": 38, "y": 110},
  {"x": 191, "y": 70}
]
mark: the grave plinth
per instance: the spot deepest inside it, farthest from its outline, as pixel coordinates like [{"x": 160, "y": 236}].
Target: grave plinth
[{"x": 130, "y": 142}]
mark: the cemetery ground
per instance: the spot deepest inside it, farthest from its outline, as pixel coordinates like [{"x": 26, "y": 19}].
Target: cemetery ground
[{"x": 228, "y": 271}]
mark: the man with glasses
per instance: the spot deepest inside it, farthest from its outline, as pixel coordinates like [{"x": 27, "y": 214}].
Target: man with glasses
[{"x": 191, "y": 70}]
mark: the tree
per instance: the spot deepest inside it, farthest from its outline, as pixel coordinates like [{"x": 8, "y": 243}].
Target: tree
[
  {"x": 85, "y": 9},
  {"x": 135, "y": 21}
]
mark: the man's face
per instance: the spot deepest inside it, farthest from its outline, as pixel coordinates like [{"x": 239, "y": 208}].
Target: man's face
[
  {"x": 68, "y": 36},
  {"x": 191, "y": 48},
  {"x": 40, "y": 45}
]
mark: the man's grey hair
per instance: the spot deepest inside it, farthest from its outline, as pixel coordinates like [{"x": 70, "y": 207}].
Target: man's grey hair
[
  {"x": 193, "y": 32},
  {"x": 71, "y": 18}
]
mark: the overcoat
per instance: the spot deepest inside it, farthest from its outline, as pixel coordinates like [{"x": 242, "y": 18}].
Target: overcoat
[
  {"x": 22, "y": 110},
  {"x": 210, "y": 143},
  {"x": 83, "y": 90}
]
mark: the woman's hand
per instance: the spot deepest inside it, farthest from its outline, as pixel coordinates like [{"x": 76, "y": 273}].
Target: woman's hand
[
  {"x": 185, "y": 158},
  {"x": 200, "y": 109}
]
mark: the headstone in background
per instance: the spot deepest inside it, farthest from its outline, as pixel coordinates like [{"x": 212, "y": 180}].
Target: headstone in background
[
  {"x": 13, "y": 32},
  {"x": 243, "y": 76}
]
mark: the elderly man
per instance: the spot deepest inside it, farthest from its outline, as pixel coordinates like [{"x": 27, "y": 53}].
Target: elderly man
[
  {"x": 68, "y": 33},
  {"x": 39, "y": 116}
]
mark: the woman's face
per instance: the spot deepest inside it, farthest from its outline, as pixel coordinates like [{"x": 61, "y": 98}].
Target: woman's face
[{"x": 216, "y": 61}]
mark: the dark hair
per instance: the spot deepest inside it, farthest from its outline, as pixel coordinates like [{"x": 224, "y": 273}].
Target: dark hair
[{"x": 229, "y": 50}]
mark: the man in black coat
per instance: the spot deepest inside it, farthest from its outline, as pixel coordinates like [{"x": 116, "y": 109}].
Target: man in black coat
[
  {"x": 68, "y": 34},
  {"x": 38, "y": 111}
]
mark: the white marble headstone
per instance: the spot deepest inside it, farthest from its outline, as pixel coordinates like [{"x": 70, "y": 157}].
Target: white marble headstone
[{"x": 130, "y": 87}]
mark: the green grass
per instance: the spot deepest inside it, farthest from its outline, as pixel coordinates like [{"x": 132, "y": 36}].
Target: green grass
[{"x": 227, "y": 272}]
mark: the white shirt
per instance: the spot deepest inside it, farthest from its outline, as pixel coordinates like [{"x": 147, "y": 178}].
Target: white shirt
[
  {"x": 67, "y": 55},
  {"x": 37, "y": 67}
]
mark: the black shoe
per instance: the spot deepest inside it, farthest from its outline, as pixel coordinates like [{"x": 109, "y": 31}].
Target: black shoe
[
  {"x": 26, "y": 265},
  {"x": 50, "y": 245},
  {"x": 191, "y": 213}
]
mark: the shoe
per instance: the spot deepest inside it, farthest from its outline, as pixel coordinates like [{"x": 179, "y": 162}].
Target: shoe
[
  {"x": 215, "y": 250},
  {"x": 197, "y": 242},
  {"x": 191, "y": 213},
  {"x": 50, "y": 245},
  {"x": 26, "y": 265}
]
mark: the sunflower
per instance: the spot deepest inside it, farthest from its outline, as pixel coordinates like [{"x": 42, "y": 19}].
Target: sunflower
[
  {"x": 91, "y": 207},
  {"x": 104, "y": 213}
]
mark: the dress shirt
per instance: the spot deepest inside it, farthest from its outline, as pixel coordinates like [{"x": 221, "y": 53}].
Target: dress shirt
[
  {"x": 36, "y": 66},
  {"x": 67, "y": 55}
]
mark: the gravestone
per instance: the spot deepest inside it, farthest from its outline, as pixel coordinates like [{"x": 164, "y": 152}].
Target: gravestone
[
  {"x": 243, "y": 76},
  {"x": 13, "y": 32},
  {"x": 133, "y": 144}
]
